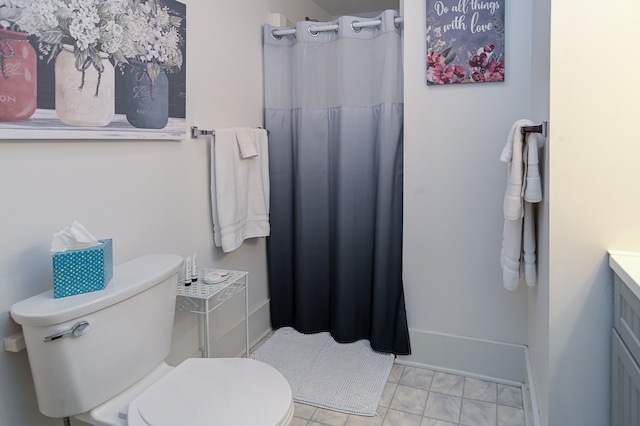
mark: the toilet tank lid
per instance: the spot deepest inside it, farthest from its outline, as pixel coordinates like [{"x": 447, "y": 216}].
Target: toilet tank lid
[{"x": 129, "y": 279}]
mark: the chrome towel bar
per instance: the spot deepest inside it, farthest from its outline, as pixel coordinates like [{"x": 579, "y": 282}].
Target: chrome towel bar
[{"x": 195, "y": 132}]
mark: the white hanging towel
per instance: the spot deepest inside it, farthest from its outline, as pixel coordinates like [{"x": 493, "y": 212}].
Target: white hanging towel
[
  {"x": 239, "y": 188},
  {"x": 523, "y": 189}
]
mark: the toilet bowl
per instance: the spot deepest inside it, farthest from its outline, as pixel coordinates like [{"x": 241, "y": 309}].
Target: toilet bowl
[
  {"x": 201, "y": 391},
  {"x": 112, "y": 372}
]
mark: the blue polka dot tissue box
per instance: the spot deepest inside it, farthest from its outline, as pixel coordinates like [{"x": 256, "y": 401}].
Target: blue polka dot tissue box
[{"x": 82, "y": 270}]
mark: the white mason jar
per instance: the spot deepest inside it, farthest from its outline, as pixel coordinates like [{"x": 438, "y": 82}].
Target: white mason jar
[{"x": 84, "y": 98}]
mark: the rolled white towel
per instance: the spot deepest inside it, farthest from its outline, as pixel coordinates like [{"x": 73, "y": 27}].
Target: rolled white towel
[
  {"x": 529, "y": 245},
  {"x": 510, "y": 254},
  {"x": 533, "y": 184}
]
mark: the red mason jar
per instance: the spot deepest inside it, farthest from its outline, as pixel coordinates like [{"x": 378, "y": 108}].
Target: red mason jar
[{"x": 18, "y": 76}]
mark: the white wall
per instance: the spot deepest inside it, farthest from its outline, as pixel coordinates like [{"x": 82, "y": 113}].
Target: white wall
[
  {"x": 148, "y": 196},
  {"x": 454, "y": 186},
  {"x": 538, "y": 297},
  {"x": 594, "y": 183}
]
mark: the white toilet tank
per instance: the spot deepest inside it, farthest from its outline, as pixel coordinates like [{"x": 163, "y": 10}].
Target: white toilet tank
[{"x": 128, "y": 334}]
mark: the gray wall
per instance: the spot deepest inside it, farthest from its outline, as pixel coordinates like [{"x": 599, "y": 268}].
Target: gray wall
[{"x": 454, "y": 187}]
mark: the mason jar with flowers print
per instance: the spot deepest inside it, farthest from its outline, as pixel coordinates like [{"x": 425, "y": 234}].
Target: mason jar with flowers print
[
  {"x": 18, "y": 66},
  {"x": 152, "y": 46},
  {"x": 85, "y": 96},
  {"x": 147, "y": 96},
  {"x": 83, "y": 37},
  {"x": 18, "y": 76}
]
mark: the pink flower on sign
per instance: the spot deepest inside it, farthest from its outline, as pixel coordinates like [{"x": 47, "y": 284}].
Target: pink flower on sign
[
  {"x": 484, "y": 68},
  {"x": 439, "y": 72},
  {"x": 434, "y": 58},
  {"x": 442, "y": 74},
  {"x": 495, "y": 71},
  {"x": 479, "y": 61}
]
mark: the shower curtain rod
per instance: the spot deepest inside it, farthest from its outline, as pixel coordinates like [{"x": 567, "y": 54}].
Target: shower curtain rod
[{"x": 355, "y": 26}]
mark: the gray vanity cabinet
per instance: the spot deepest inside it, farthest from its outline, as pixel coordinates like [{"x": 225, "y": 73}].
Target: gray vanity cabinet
[{"x": 625, "y": 407}]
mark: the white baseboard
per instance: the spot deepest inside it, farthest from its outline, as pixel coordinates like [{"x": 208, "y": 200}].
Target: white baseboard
[
  {"x": 530, "y": 399},
  {"x": 499, "y": 361}
]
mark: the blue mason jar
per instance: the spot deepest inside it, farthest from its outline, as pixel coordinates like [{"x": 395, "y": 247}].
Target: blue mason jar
[{"x": 147, "y": 101}]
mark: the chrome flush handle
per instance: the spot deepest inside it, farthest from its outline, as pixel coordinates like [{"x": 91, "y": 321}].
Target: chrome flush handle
[{"x": 77, "y": 330}]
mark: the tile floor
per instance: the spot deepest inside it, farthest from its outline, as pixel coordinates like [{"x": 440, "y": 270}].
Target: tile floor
[{"x": 420, "y": 397}]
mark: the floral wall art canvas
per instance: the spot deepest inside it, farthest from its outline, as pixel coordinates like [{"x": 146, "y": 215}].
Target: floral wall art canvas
[
  {"x": 92, "y": 69},
  {"x": 465, "y": 41}
]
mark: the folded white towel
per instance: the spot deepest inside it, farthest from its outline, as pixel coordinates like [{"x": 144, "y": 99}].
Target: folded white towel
[
  {"x": 239, "y": 190},
  {"x": 523, "y": 188},
  {"x": 246, "y": 143},
  {"x": 512, "y": 154}
]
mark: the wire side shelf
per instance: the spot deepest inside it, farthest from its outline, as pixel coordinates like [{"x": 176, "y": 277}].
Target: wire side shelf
[
  {"x": 200, "y": 290},
  {"x": 202, "y": 299}
]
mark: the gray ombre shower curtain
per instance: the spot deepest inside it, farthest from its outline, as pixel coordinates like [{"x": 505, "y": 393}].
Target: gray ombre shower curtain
[{"x": 333, "y": 106}]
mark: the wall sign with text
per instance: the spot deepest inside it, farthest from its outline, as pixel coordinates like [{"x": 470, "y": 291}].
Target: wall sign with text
[{"x": 465, "y": 41}]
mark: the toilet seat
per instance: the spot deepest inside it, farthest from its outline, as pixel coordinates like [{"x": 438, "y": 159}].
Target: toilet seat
[{"x": 221, "y": 391}]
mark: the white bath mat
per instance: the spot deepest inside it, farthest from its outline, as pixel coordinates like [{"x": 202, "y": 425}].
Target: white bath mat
[{"x": 343, "y": 377}]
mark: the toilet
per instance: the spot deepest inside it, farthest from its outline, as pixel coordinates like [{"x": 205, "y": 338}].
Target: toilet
[{"x": 99, "y": 357}]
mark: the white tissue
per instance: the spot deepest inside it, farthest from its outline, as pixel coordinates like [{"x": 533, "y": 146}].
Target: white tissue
[{"x": 73, "y": 237}]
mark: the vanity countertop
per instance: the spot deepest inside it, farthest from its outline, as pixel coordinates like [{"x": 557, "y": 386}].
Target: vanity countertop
[{"x": 627, "y": 266}]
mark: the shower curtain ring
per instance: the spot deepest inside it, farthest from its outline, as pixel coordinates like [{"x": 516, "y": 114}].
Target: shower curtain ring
[
  {"x": 355, "y": 29},
  {"x": 275, "y": 36},
  {"x": 312, "y": 32}
]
